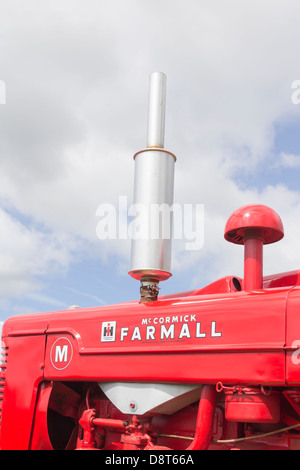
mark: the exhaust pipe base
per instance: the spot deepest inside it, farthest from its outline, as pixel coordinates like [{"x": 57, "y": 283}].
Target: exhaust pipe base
[{"x": 149, "y": 290}]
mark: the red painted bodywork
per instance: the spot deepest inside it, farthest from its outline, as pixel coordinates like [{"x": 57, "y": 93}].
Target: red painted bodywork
[{"x": 218, "y": 334}]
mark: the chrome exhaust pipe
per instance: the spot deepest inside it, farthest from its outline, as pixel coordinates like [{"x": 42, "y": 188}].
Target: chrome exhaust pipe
[{"x": 153, "y": 199}]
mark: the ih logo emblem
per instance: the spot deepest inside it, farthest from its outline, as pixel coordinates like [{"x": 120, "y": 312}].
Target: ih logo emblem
[
  {"x": 61, "y": 353},
  {"x": 108, "y": 332}
]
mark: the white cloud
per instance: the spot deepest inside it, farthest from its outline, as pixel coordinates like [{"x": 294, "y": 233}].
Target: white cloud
[
  {"x": 288, "y": 160},
  {"x": 77, "y": 87},
  {"x": 28, "y": 254}
]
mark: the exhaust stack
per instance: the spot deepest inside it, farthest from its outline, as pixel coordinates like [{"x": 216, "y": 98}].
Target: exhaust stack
[{"x": 153, "y": 199}]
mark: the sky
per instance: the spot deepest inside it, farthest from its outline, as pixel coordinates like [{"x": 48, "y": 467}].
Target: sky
[{"x": 74, "y": 79}]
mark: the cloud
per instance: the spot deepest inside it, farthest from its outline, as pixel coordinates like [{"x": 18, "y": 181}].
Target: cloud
[
  {"x": 76, "y": 79},
  {"x": 28, "y": 254},
  {"x": 288, "y": 160}
]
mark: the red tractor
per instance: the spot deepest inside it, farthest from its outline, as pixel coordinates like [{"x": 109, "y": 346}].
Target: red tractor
[{"x": 212, "y": 368}]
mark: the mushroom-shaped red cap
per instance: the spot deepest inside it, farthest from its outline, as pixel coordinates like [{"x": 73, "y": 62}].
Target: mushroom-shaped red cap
[{"x": 254, "y": 221}]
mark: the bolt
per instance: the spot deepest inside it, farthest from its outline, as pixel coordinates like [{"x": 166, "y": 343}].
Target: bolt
[{"x": 132, "y": 405}]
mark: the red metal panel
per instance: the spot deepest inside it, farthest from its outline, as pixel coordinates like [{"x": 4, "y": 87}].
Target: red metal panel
[
  {"x": 237, "y": 337},
  {"x": 293, "y": 338},
  {"x": 291, "y": 278},
  {"x": 24, "y": 372}
]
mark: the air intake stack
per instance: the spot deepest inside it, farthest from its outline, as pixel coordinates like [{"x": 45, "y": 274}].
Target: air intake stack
[
  {"x": 153, "y": 199},
  {"x": 253, "y": 226}
]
